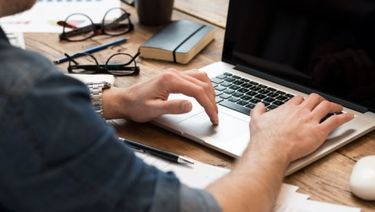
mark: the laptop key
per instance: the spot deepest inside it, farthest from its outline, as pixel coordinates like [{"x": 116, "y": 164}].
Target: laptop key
[
  {"x": 229, "y": 91},
  {"x": 289, "y": 95},
  {"x": 216, "y": 80},
  {"x": 254, "y": 100},
  {"x": 226, "y": 84},
  {"x": 271, "y": 107},
  {"x": 235, "y": 107},
  {"x": 238, "y": 94},
  {"x": 278, "y": 103},
  {"x": 260, "y": 96},
  {"x": 282, "y": 98},
  {"x": 241, "y": 102},
  {"x": 234, "y": 87},
  {"x": 220, "y": 88},
  {"x": 250, "y": 106},
  {"x": 221, "y": 76},
  {"x": 233, "y": 99},
  {"x": 229, "y": 79},
  {"x": 251, "y": 93},
  {"x": 225, "y": 96},
  {"x": 218, "y": 99},
  {"x": 246, "y": 97}
]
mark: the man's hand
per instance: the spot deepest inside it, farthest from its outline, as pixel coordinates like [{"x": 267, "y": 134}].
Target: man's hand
[
  {"x": 278, "y": 137},
  {"x": 295, "y": 128},
  {"x": 146, "y": 101}
]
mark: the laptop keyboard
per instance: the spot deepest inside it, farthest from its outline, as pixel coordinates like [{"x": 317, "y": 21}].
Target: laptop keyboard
[{"x": 242, "y": 95}]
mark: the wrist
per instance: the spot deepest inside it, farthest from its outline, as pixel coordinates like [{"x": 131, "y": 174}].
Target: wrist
[
  {"x": 115, "y": 103},
  {"x": 267, "y": 158}
]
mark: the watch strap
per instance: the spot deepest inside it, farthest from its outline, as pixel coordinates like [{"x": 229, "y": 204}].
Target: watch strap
[{"x": 96, "y": 94}]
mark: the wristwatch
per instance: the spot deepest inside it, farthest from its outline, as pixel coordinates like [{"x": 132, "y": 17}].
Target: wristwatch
[{"x": 96, "y": 93}]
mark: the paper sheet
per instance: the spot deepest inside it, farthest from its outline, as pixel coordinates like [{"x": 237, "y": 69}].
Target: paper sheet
[
  {"x": 45, "y": 13},
  {"x": 200, "y": 175},
  {"x": 94, "y": 78},
  {"x": 16, "y": 39}
]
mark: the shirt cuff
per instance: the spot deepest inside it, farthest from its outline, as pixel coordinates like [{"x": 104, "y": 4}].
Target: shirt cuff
[{"x": 197, "y": 200}]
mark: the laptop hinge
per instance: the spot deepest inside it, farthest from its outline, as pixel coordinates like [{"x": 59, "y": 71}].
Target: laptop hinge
[{"x": 300, "y": 88}]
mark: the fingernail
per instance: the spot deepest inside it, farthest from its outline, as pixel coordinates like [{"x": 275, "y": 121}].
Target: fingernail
[
  {"x": 186, "y": 106},
  {"x": 216, "y": 121}
]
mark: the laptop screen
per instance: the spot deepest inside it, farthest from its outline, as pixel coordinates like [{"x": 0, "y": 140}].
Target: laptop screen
[{"x": 326, "y": 46}]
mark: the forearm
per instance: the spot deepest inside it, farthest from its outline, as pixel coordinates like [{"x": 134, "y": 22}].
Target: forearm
[{"x": 253, "y": 187}]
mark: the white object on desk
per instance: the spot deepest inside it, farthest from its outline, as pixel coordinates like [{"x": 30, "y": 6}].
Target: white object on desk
[
  {"x": 16, "y": 39},
  {"x": 200, "y": 175},
  {"x": 94, "y": 78},
  {"x": 362, "y": 180},
  {"x": 44, "y": 15}
]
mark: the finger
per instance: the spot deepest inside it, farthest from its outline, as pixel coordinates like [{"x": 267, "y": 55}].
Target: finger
[
  {"x": 198, "y": 74},
  {"x": 312, "y": 101},
  {"x": 209, "y": 90},
  {"x": 324, "y": 108},
  {"x": 171, "y": 107},
  {"x": 258, "y": 110},
  {"x": 177, "y": 84},
  {"x": 335, "y": 121},
  {"x": 295, "y": 100},
  {"x": 202, "y": 76}
]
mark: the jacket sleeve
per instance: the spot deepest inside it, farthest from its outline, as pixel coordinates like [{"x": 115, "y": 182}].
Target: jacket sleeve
[{"x": 57, "y": 154}]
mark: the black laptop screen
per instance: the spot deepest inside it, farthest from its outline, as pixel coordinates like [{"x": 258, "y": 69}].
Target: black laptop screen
[{"x": 327, "y": 46}]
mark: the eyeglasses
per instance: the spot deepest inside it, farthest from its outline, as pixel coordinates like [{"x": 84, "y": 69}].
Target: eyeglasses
[
  {"x": 80, "y": 27},
  {"x": 120, "y": 64}
]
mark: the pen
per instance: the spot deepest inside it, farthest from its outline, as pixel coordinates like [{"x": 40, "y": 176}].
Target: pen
[
  {"x": 158, "y": 153},
  {"x": 91, "y": 50}
]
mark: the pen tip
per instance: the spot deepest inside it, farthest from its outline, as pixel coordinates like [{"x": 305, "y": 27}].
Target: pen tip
[{"x": 186, "y": 160}]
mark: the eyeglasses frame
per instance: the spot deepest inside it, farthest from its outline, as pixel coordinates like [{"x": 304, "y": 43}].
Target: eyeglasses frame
[
  {"x": 122, "y": 70},
  {"x": 96, "y": 28}
]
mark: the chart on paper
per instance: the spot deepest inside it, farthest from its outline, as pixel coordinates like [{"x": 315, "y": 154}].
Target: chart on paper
[{"x": 44, "y": 15}]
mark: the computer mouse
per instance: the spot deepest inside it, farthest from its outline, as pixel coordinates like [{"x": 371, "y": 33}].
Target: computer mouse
[{"x": 362, "y": 180}]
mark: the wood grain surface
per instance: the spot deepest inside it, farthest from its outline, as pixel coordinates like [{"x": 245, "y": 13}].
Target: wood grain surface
[{"x": 326, "y": 179}]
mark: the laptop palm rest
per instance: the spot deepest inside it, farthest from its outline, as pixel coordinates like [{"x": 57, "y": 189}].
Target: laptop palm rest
[{"x": 231, "y": 135}]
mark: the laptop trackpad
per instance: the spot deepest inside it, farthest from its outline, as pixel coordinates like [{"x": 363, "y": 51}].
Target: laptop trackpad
[{"x": 231, "y": 135}]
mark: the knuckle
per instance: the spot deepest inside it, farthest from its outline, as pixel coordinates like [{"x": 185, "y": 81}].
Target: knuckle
[
  {"x": 326, "y": 103},
  {"x": 200, "y": 90},
  {"x": 203, "y": 74},
  {"x": 315, "y": 96},
  {"x": 168, "y": 76},
  {"x": 171, "y": 70},
  {"x": 206, "y": 87}
]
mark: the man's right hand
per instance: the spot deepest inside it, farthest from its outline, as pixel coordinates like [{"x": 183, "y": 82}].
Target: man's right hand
[
  {"x": 295, "y": 128},
  {"x": 278, "y": 137}
]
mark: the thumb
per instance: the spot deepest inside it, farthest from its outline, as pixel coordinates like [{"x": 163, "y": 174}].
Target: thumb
[
  {"x": 173, "y": 106},
  {"x": 258, "y": 110}
]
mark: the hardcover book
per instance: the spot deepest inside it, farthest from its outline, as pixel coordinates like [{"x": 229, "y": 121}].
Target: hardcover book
[{"x": 178, "y": 42}]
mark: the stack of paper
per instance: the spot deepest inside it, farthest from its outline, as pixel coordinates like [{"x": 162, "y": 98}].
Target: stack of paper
[
  {"x": 200, "y": 175},
  {"x": 44, "y": 15}
]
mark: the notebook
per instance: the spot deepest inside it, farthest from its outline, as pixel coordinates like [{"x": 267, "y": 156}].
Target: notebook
[
  {"x": 274, "y": 50},
  {"x": 178, "y": 42}
]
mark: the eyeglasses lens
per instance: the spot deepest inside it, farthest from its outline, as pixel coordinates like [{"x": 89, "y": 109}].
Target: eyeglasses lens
[
  {"x": 86, "y": 65},
  {"x": 78, "y": 27},
  {"x": 121, "y": 65},
  {"x": 116, "y": 22}
]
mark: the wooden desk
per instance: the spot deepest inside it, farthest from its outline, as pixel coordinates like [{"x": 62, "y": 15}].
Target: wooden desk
[{"x": 326, "y": 179}]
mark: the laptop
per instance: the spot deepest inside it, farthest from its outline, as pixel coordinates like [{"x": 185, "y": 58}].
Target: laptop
[{"x": 274, "y": 50}]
